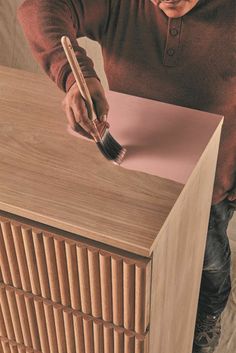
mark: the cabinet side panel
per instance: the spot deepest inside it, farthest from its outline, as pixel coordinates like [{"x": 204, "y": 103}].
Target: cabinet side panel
[{"x": 178, "y": 259}]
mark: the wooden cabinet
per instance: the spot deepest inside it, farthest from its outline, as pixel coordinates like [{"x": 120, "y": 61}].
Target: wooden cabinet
[
  {"x": 96, "y": 258},
  {"x": 65, "y": 285}
]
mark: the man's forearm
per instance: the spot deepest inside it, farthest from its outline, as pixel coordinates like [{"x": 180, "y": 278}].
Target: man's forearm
[{"x": 44, "y": 22}]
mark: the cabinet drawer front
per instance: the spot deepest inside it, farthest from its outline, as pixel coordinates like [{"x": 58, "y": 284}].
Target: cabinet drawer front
[
  {"x": 102, "y": 283},
  {"x": 44, "y": 326}
]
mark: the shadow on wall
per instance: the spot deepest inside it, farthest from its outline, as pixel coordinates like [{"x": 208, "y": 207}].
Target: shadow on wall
[{"x": 15, "y": 51}]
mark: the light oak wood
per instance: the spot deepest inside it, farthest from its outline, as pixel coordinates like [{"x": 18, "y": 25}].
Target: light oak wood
[
  {"x": 5, "y": 268},
  {"x": 106, "y": 286},
  {"x": 95, "y": 283},
  {"x": 3, "y": 331},
  {"x": 132, "y": 242},
  {"x": 11, "y": 254},
  {"x": 132, "y": 226},
  {"x": 178, "y": 259},
  {"x": 41, "y": 323},
  {"x": 6, "y": 313},
  {"x": 32, "y": 319},
  {"x": 52, "y": 267},
  {"x": 60, "y": 329},
  {"x": 31, "y": 260},
  {"x": 117, "y": 289},
  {"x": 98, "y": 336},
  {"x": 14, "y": 314},
  {"x": 51, "y": 329},
  {"x": 62, "y": 271},
  {"x": 129, "y": 294},
  {"x": 73, "y": 275},
  {"x": 41, "y": 264},
  {"x": 82, "y": 259},
  {"x": 69, "y": 330},
  {"x": 79, "y": 332},
  {"x": 108, "y": 339},
  {"x": 21, "y": 258},
  {"x": 21, "y": 308}
]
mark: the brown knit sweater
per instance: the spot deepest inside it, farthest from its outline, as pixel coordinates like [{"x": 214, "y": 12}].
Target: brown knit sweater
[{"x": 187, "y": 61}]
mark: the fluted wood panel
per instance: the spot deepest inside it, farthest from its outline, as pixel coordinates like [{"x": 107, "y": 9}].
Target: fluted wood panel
[
  {"x": 113, "y": 288},
  {"x": 10, "y": 346},
  {"x": 62, "y": 329}
]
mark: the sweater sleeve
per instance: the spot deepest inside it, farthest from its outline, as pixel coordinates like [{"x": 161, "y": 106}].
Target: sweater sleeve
[{"x": 44, "y": 22}]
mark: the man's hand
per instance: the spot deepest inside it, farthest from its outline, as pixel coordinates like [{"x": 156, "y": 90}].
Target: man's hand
[{"x": 75, "y": 108}]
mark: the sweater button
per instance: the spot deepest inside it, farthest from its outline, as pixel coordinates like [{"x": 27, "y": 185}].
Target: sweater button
[
  {"x": 174, "y": 32},
  {"x": 170, "y": 51}
]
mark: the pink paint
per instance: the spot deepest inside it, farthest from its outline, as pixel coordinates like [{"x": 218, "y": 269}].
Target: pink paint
[{"x": 161, "y": 139}]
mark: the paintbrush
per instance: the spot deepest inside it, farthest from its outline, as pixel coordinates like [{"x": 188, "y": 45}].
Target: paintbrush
[{"x": 109, "y": 147}]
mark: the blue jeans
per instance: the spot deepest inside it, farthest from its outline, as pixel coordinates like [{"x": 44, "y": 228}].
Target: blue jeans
[{"x": 216, "y": 282}]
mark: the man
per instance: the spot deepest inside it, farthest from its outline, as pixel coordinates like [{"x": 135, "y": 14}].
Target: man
[{"x": 175, "y": 51}]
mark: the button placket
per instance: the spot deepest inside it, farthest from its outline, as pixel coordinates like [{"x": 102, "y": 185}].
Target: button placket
[{"x": 172, "y": 42}]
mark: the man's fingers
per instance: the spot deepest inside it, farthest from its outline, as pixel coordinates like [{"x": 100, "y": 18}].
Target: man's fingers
[
  {"x": 70, "y": 116},
  {"x": 81, "y": 117},
  {"x": 101, "y": 108}
]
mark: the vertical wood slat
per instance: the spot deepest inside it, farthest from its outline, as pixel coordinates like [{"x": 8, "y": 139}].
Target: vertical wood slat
[
  {"x": 106, "y": 285},
  {"x": 123, "y": 283},
  {"x": 60, "y": 329},
  {"x": 5, "y": 346},
  {"x": 140, "y": 346},
  {"x": 11, "y": 253},
  {"x": 78, "y": 332},
  {"x": 3, "y": 331},
  {"x": 85, "y": 294},
  {"x": 5, "y": 269},
  {"x": 88, "y": 334},
  {"x": 21, "y": 307},
  {"x": 129, "y": 343},
  {"x": 11, "y": 298},
  {"x": 98, "y": 336},
  {"x": 41, "y": 263},
  {"x": 32, "y": 319},
  {"x": 41, "y": 321},
  {"x": 51, "y": 328},
  {"x": 129, "y": 295},
  {"x": 31, "y": 260},
  {"x": 118, "y": 340},
  {"x": 142, "y": 296},
  {"x": 73, "y": 275},
  {"x": 69, "y": 330},
  {"x": 6, "y": 313},
  {"x": 21, "y": 257},
  {"x": 52, "y": 267},
  {"x": 62, "y": 271},
  {"x": 13, "y": 348},
  {"x": 108, "y": 338},
  {"x": 117, "y": 289},
  {"x": 94, "y": 282}
]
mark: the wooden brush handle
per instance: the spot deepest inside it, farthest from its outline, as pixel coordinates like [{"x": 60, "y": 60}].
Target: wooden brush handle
[{"x": 84, "y": 91}]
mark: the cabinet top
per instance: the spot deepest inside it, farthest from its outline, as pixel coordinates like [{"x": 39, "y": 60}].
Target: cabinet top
[{"x": 52, "y": 177}]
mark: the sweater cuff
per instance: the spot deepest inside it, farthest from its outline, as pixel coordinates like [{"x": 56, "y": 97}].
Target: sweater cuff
[{"x": 69, "y": 79}]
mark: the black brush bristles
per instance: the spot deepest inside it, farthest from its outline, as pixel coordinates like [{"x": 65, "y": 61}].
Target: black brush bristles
[{"x": 109, "y": 147}]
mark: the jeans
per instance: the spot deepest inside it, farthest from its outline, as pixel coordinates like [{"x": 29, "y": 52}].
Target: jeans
[{"x": 216, "y": 283}]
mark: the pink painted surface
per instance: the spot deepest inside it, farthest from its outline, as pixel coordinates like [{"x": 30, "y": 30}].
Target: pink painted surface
[{"x": 161, "y": 139}]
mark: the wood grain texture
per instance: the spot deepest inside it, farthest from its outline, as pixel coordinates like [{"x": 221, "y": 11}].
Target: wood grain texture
[
  {"x": 113, "y": 205},
  {"x": 114, "y": 288},
  {"x": 178, "y": 259}
]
